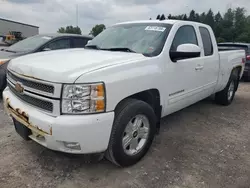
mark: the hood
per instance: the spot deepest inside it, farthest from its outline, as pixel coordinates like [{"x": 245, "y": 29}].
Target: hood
[
  {"x": 10, "y": 55},
  {"x": 65, "y": 66}
]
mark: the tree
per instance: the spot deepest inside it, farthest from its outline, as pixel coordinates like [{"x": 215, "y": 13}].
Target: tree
[
  {"x": 234, "y": 25},
  {"x": 61, "y": 30},
  {"x": 197, "y": 17},
  {"x": 240, "y": 25},
  {"x": 97, "y": 29},
  {"x": 203, "y": 17},
  {"x": 185, "y": 17},
  {"x": 158, "y": 17},
  {"x": 70, "y": 29},
  {"x": 228, "y": 26},
  {"x": 209, "y": 19},
  {"x": 218, "y": 25},
  {"x": 192, "y": 16},
  {"x": 162, "y": 17}
]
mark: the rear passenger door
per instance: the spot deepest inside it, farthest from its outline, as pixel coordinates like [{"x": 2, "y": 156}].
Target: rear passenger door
[
  {"x": 210, "y": 58},
  {"x": 79, "y": 42}
]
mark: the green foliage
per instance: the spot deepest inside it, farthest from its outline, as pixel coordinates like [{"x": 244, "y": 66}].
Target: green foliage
[
  {"x": 209, "y": 19},
  {"x": 233, "y": 26},
  {"x": 162, "y": 17},
  {"x": 70, "y": 29},
  {"x": 97, "y": 29}
]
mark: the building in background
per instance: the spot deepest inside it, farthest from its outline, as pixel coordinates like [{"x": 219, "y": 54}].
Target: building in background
[{"x": 26, "y": 30}]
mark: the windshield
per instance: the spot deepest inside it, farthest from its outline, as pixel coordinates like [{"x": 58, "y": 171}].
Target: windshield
[
  {"x": 29, "y": 44},
  {"x": 144, "y": 38}
]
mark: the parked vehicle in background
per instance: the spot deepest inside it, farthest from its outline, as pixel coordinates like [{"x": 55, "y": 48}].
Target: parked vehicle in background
[
  {"x": 236, "y": 46},
  {"x": 109, "y": 97},
  {"x": 38, "y": 43},
  {"x": 12, "y": 37}
]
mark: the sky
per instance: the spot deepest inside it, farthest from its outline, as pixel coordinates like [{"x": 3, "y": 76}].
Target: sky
[{"x": 49, "y": 15}]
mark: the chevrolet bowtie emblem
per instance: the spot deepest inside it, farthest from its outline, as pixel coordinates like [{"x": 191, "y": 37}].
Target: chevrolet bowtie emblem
[{"x": 19, "y": 88}]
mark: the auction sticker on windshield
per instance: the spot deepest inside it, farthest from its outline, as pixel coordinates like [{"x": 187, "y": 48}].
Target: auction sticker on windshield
[{"x": 155, "y": 28}]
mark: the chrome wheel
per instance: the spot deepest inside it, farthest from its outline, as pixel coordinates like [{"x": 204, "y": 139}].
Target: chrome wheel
[
  {"x": 135, "y": 135},
  {"x": 230, "y": 90}
]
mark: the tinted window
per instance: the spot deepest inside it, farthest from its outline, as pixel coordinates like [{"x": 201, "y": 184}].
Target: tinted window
[
  {"x": 59, "y": 44},
  {"x": 207, "y": 42},
  {"x": 79, "y": 42},
  {"x": 185, "y": 35}
]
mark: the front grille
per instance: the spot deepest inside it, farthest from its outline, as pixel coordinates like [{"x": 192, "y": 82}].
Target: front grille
[
  {"x": 44, "y": 105},
  {"x": 31, "y": 84}
]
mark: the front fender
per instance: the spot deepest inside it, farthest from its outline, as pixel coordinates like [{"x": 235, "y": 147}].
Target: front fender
[{"x": 124, "y": 80}]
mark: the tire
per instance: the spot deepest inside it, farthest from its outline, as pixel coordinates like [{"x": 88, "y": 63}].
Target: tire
[
  {"x": 226, "y": 96},
  {"x": 3, "y": 80},
  {"x": 128, "y": 111}
]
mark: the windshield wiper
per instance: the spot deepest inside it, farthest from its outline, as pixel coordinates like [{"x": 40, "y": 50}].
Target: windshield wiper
[
  {"x": 123, "y": 49},
  {"x": 93, "y": 47},
  {"x": 9, "y": 51}
]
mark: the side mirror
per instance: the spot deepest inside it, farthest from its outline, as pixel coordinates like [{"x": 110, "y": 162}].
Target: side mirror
[
  {"x": 185, "y": 51},
  {"x": 89, "y": 41},
  {"x": 46, "y": 49}
]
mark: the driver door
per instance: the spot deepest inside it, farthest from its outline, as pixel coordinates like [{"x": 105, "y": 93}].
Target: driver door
[{"x": 183, "y": 76}]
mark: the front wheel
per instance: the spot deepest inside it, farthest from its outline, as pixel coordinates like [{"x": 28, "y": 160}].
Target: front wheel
[
  {"x": 226, "y": 96},
  {"x": 133, "y": 132}
]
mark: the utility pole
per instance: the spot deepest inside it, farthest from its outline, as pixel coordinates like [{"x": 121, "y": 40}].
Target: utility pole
[{"x": 76, "y": 15}]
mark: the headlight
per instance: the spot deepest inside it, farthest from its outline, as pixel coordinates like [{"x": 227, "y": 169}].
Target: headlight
[
  {"x": 2, "y": 61},
  {"x": 83, "y": 98}
]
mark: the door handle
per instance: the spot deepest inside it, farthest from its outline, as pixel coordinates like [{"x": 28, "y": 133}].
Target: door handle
[{"x": 199, "y": 67}]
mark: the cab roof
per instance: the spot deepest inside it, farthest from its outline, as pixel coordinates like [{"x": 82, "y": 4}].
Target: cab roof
[
  {"x": 54, "y": 35},
  {"x": 167, "y": 21}
]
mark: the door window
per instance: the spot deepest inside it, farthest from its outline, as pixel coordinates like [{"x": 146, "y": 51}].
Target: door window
[
  {"x": 59, "y": 44},
  {"x": 207, "y": 42},
  {"x": 185, "y": 35}
]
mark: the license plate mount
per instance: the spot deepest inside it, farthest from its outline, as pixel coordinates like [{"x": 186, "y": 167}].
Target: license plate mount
[{"x": 22, "y": 130}]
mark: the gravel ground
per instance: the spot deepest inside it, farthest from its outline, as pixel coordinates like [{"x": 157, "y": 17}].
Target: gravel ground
[{"x": 205, "y": 145}]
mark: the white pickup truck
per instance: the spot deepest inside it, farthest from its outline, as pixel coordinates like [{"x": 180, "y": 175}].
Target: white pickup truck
[{"x": 109, "y": 97}]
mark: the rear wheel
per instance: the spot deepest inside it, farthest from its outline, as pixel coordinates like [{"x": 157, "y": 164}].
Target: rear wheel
[
  {"x": 226, "y": 96},
  {"x": 133, "y": 132}
]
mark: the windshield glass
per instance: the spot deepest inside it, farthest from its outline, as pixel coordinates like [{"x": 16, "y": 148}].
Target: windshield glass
[
  {"x": 29, "y": 44},
  {"x": 145, "y": 38}
]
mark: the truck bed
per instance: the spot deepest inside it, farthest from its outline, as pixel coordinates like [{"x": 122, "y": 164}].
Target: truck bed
[{"x": 229, "y": 59}]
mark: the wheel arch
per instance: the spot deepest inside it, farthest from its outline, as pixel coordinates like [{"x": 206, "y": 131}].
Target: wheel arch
[
  {"x": 151, "y": 97},
  {"x": 237, "y": 71}
]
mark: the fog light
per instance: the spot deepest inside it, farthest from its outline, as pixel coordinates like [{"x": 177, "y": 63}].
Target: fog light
[{"x": 72, "y": 145}]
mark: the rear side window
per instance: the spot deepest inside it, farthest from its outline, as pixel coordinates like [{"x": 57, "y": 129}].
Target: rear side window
[
  {"x": 185, "y": 35},
  {"x": 80, "y": 42},
  {"x": 207, "y": 41}
]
